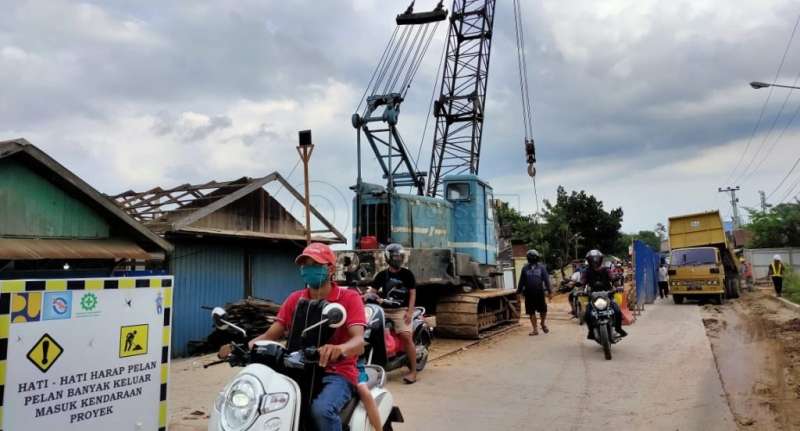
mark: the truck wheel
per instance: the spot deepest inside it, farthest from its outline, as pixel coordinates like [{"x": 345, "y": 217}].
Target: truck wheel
[
  {"x": 605, "y": 341},
  {"x": 735, "y": 288},
  {"x": 678, "y": 299}
]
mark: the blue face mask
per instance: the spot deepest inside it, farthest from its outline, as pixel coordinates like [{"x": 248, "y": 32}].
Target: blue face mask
[{"x": 314, "y": 275}]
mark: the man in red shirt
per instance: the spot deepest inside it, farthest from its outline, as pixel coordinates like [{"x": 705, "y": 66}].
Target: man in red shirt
[{"x": 339, "y": 356}]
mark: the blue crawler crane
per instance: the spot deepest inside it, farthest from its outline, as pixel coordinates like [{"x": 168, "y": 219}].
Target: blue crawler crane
[{"x": 446, "y": 223}]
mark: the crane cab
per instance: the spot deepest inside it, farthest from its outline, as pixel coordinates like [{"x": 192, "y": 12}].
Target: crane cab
[{"x": 472, "y": 221}]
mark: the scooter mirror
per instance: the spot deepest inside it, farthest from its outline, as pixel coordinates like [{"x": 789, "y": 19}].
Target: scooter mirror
[
  {"x": 218, "y": 315},
  {"x": 335, "y": 314}
]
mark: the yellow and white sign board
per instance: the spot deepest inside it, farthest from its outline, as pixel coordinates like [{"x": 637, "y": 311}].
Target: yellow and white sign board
[{"x": 85, "y": 354}]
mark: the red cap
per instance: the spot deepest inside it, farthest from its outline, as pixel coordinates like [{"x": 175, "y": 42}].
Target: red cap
[{"x": 319, "y": 253}]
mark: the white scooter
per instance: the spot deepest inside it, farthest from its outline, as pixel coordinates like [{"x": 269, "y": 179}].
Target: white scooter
[{"x": 267, "y": 393}]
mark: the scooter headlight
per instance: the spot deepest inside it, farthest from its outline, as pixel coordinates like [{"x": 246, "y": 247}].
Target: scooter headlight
[
  {"x": 240, "y": 407},
  {"x": 600, "y": 304}
]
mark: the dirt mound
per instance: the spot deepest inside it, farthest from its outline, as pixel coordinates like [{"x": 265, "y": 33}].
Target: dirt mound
[
  {"x": 756, "y": 343},
  {"x": 792, "y": 325}
]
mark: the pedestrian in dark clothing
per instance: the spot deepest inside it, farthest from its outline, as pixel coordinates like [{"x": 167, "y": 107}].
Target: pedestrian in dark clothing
[
  {"x": 776, "y": 271},
  {"x": 533, "y": 283}
]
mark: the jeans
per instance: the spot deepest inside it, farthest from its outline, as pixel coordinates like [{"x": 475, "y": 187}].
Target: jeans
[{"x": 336, "y": 392}]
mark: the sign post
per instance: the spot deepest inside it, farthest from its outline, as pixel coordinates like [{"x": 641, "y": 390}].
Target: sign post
[{"x": 85, "y": 354}]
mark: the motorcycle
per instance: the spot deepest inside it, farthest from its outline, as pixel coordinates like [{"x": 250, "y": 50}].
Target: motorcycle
[
  {"x": 602, "y": 321},
  {"x": 383, "y": 345},
  {"x": 269, "y": 393}
]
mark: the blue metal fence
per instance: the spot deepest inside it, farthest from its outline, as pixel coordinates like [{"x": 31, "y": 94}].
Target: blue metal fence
[{"x": 645, "y": 267}]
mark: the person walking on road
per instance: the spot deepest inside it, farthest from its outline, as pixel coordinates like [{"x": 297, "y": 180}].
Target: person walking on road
[
  {"x": 533, "y": 283},
  {"x": 663, "y": 281},
  {"x": 776, "y": 271}
]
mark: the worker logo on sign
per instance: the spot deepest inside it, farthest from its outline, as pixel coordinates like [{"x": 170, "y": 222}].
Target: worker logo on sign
[
  {"x": 57, "y": 305},
  {"x": 26, "y": 307},
  {"x": 45, "y": 352},
  {"x": 133, "y": 340}
]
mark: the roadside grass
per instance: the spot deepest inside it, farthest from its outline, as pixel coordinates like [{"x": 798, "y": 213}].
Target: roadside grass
[{"x": 791, "y": 287}]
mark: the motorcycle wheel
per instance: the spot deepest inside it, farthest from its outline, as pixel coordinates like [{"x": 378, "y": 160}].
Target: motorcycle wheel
[
  {"x": 422, "y": 360},
  {"x": 605, "y": 341},
  {"x": 579, "y": 311}
]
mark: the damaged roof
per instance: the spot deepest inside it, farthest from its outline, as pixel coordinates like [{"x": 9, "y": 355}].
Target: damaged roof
[{"x": 239, "y": 208}]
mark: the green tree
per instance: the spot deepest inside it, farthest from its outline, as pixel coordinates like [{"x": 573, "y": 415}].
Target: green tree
[
  {"x": 575, "y": 216},
  {"x": 778, "y": 227},
  {"x": 650, "y": 238}
]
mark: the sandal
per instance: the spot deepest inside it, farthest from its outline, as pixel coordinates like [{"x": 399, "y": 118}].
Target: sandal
[
  {"x": 534, "y": 332},
  {"x": 409, "y": 381},
  {"x": 545, "y": 329}
]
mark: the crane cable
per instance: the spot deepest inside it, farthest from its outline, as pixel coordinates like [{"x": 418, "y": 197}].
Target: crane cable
[{"x": 527, "y": 110}]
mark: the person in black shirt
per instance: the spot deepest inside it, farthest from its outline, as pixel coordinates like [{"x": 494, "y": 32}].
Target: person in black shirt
[
  {"x": 533, "y": 283},
  {"x": 397, "y": 288},
  {"x": 598, "y": 279}
]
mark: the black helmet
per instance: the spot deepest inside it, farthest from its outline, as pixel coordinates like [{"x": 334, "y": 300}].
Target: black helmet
[
  {"x": 394, "y": 255},
  {"x": 595, "y": 259},
  {"x": 533, "y": 256}
]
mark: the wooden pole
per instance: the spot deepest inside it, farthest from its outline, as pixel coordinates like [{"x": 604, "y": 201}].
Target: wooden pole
[{"x": 304, "y": 150}]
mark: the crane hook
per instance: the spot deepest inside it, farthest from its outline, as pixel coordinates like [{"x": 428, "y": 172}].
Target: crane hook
[{"x": 530, "y": 154}]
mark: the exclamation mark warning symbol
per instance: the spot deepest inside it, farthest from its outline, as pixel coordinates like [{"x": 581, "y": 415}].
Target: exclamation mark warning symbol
[
  {"x": 45, "y": 353},
  {"x": 45, "y": 348}
]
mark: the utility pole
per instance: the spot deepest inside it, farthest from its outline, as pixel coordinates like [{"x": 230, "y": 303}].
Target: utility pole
[
  {"x": 764, "y": 205},
  {"x": 304, "y": 149},
  {"x": 734, "y": 204}
]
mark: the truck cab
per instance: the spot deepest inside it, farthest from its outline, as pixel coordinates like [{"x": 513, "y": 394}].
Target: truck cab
[{"x": 696, "y": 271}]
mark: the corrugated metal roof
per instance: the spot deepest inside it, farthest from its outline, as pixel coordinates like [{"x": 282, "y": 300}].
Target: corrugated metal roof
[{"x": 36, "y": 249}]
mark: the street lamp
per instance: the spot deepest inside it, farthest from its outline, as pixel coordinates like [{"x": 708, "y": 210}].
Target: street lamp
[{"x": 756, "y": 85}]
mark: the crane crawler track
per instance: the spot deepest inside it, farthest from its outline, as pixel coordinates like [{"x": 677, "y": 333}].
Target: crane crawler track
[{"x": 474, "y": 315}]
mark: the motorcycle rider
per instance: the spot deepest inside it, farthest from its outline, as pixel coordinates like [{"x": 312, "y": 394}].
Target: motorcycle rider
[
  {"x": 598, "y": 278},
  {"x": 317, "y": 263},
  {"x": 398, "y": 283},
  {"x": 533, "y": 283}
]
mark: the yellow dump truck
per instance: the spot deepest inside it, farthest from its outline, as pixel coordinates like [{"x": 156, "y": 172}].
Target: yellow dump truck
[{"x": 701, "y": 263}]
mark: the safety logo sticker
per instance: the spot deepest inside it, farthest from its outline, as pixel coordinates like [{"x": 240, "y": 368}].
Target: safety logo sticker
[
  {"x": 45, "y": 352},
  {"x": 133, "y": 340},
  {"x": 87, "y": 305},
  {"x": 57, "y": 305},
  {"x": 26, "y": 307}
]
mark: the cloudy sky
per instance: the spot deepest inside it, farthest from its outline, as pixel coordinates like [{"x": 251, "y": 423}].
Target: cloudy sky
[{"x": 643, "y": 103}]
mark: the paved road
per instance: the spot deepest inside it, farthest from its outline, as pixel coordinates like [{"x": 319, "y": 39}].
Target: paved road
[{"x": 662, "y": 377}]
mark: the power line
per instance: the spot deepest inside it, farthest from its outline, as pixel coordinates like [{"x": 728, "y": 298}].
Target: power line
[
  {"x": 794, "y": 116},
  {"x": 745, "y": 173},
  {"x": 766, "y": 102}
]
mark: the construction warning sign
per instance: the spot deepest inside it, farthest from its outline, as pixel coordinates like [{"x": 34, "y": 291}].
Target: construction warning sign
[
  {"x": 133, "y": 340},
  {"x": 86, "y": 354},
  {"x": 44, "y": 353}
]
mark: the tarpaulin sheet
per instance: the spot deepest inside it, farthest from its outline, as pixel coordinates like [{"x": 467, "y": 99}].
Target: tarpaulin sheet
[{"x": 645, "y": 267}]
